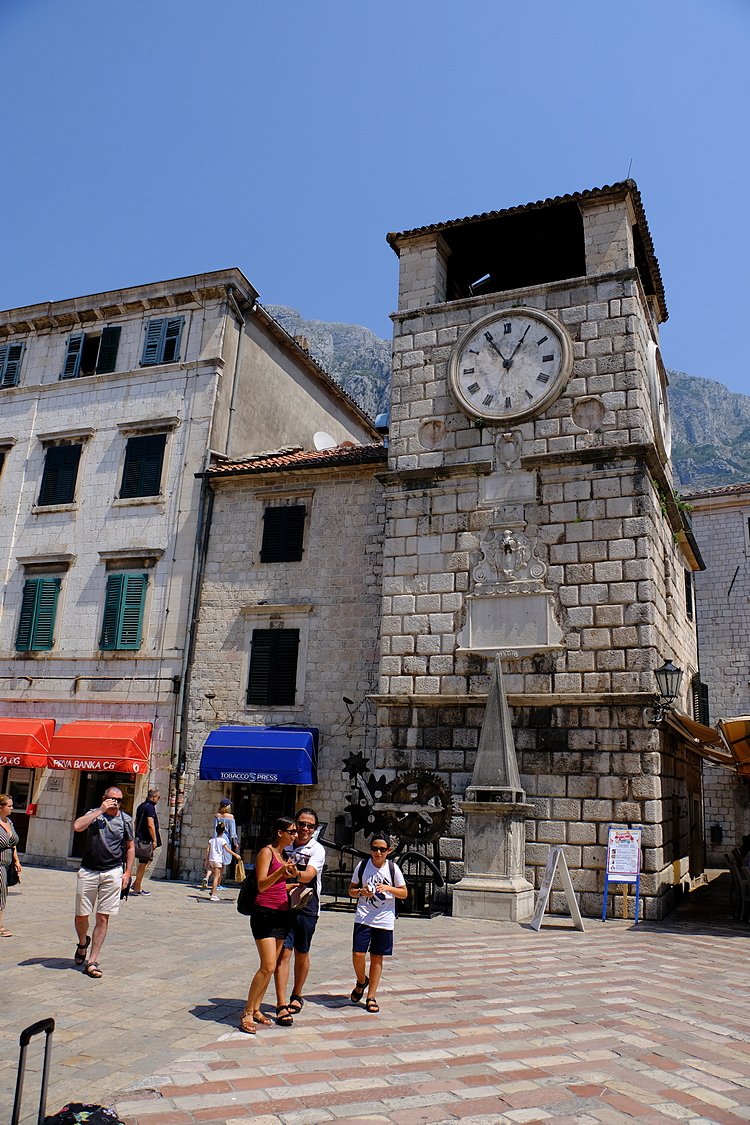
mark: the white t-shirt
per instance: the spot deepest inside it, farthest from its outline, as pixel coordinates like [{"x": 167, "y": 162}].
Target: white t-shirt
[
  {"x": 315, "y": 854},
  {"x": 378, "y": 910},
  {"x": 219, "y": 850}
]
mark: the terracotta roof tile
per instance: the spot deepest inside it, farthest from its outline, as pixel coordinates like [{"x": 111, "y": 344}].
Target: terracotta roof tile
[
  {"x": 293, "y": 458},
  {"x": 723, "y": 490}
]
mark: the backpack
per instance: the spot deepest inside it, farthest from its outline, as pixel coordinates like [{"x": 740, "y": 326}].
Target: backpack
[
  {"x": 78, "y": 1114},
  {"x": 357, "y": 876},
  {"x": 248, "y": 893}
]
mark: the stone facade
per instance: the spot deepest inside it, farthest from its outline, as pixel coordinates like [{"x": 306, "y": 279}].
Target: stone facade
[
  {"x": 581, "y": 492},
  {"x": 721, "y": 520},
  {"x": 237, "y": 381},
  {"x": 332, "y": 595}
]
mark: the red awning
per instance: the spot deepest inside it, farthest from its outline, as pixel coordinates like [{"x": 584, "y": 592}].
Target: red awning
[
  {"x": 25, "y": 742},
  {"x": 115, "y": 747}
]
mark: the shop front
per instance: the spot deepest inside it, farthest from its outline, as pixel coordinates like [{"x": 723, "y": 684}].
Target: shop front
[
  {"x": 24, "y": 749},
  {"x": 260, "y": 769}
]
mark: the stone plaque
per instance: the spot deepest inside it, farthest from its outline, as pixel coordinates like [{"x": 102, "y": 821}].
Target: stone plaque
[
  {"x": 521, "y": 621},
  {"x": 497, "y": 488}
]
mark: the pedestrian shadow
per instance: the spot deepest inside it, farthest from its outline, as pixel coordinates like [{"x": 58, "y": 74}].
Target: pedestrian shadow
[
  {"x": 219, "y": 1009},
  {"x": 50, "y": 963},
  {"x": 328, "y": 1000}
]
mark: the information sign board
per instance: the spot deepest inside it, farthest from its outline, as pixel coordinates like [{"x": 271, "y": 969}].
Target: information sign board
[{"x": 623, "y": 864}]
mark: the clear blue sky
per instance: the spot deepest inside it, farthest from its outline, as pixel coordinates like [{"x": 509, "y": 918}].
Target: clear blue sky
[{"x": 156, "y": 138}]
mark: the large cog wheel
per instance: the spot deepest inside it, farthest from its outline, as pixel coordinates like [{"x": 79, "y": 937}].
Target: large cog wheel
[{"x": 417, "y": 806}]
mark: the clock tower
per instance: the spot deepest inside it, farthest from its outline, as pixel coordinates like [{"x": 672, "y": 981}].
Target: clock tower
[{"x": 530, "y": 515}]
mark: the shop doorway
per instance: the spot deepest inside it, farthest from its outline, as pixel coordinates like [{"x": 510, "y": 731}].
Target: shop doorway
[
  {"x": 256, "y": 807},
  {"x": 17, "y": 783},
  {"x": 91, "y": 786}
]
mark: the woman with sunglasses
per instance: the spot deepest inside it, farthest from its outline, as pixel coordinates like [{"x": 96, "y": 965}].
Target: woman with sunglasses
[
  {"x": 8, "y": 854},
  {"x": 270, "y": 921},
  {"x": 376, "y": 884}
]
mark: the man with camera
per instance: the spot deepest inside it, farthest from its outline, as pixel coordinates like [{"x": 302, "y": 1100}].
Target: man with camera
[{"x": 104, "y": 875}]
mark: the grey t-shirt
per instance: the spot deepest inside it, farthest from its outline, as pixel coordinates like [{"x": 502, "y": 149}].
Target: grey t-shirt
[{"x": 106, "y": 843}]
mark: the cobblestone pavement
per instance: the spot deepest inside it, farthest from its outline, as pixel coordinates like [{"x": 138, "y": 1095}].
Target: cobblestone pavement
[{"x": 479, "y": 1022}]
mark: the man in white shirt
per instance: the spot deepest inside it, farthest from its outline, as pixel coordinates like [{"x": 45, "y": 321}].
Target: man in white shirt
[{"x": 310, "y": 858}]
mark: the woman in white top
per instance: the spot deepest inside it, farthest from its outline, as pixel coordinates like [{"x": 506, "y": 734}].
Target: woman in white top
[
  {"x": 376, "y": 883},
  {"x": 217, "y": 854}
]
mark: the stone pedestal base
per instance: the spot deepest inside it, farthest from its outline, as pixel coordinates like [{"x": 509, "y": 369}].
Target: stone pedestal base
[{"x": 500, "y": 900}]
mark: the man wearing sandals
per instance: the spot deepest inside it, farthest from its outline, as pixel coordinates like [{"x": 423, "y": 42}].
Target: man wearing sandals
[
  {"x": 104, "y": 874},
  {"x": 310, "y": 858}
]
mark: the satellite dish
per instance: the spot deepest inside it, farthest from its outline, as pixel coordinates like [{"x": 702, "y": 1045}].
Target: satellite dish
[{"x": 322, "y": 440}]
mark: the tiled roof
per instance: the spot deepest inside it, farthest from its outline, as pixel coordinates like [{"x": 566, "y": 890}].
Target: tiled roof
[
  {"x": 285, "y": 460},
  {"x": 724, "y": 490},
  {"x": 629, "y": 186}
]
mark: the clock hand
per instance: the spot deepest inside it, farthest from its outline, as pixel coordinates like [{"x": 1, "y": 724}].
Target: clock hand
[
  {"x": 490, "y": 340},
  {"x": 508, "y": 362}
]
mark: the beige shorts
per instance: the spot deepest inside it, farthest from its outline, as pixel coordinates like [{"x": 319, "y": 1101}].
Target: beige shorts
[{"x": 98, "y": 892}]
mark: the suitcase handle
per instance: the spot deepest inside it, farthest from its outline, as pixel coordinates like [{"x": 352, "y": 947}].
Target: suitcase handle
[{"x": 47, "y": 1026}]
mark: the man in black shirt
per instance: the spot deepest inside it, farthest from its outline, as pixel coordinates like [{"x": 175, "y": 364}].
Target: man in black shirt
[
  {"x": 104, "y": 874},
  {"x": 147, "y": 835}
]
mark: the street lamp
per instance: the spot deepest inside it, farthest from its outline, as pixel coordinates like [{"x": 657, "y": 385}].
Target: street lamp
[{"x": 668, "y": 680}]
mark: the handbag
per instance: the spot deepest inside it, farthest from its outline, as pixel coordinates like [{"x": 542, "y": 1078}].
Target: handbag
[
  {"x": 299, "y": 896},
  {"x": 144, "y": 850},
  {"x": 239, "y": 872},
  {"x": 13, "y": 878}
]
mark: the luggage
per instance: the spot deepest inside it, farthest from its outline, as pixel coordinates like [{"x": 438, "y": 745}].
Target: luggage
[{"x": 76, "y": 1113}]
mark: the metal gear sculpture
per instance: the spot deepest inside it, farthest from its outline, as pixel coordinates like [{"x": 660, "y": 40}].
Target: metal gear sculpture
[{"x": 417, "y": 807}]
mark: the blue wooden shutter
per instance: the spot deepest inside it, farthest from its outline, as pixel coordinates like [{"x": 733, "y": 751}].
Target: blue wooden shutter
[
  {"x": 10, "y": 364},
  {"x": 172, "y": 336},
  {"x": 72, "y": 364},
  {"x": 110, "y": 342},
  {"x": 59, "y": 476},
  {"x": 131, "y": 611},
  {"x": 153, "y": 345},
  {"x": 112, "y": 598},
  {"x": 36, "y": 624}
]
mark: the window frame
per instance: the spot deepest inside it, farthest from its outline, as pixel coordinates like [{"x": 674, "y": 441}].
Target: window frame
[
  {"x": 10, "y": 366},
  {"x": 283, "y": 535},
  {"x": 265, "y": 644},
  {"x": 54, "y": 451},
  {"x": 162, "y": 335},
  {"x": 106, "y": 355},
  {"x": 142, "y": 438}
]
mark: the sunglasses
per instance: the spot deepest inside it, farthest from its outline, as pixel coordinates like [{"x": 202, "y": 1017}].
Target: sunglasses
[
  {"x": 310, "y": 827},
  {"x": 118, "y": 799},
  {"x": 378, "y": 849}
]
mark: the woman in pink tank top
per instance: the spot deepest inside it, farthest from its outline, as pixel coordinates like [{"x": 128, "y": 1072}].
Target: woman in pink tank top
[{"x": 270, "y": 921}]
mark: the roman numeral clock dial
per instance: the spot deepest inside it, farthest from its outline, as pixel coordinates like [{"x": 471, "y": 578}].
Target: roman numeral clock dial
[{"x": 510, "y": 365}]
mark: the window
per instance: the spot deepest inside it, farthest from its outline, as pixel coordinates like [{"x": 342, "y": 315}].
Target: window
[
  {"x": 10, "y": 364},
  {"x": 91, "y": 354},
  {"x": 283, "y": 529},
  {"x": 60, "y": 473},
  {"x": 699, "y": 692},
  {"x": 122, "y": 620},
  {"x": 273, "y": 667},
  {"x": 689, "y": 594},
  {"x": 144, "y": 457},
  {"x": 162, "y": 342},
  {"x": 36, "y": 625}
]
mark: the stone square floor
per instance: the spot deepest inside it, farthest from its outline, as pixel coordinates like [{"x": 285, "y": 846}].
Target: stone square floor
[{"x": 479, "y": 1022}]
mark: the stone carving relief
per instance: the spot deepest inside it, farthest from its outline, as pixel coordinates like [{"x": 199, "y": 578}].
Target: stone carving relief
[
  {"x": 508, "y": 448},
  {"x": 509, "y": 563}
]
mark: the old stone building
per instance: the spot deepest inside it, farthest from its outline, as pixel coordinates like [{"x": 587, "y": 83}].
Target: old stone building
[
  {"x": 110, "y": 405},
  {"x": 287, "y": 638},
  {"x": 721, "y": 521},
  {"x": 530, "y": 514}
]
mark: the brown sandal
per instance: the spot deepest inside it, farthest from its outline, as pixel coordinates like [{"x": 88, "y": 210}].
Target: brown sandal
[
  {"x": 246, "y": 1023},
  {"x": 258, "y": 1017}
]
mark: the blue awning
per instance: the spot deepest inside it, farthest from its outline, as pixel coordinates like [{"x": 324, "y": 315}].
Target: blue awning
[{"x": 261, "y": 755}]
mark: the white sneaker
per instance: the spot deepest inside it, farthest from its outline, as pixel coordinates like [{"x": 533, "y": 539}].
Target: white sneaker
[{"x": 213, "y": 898}]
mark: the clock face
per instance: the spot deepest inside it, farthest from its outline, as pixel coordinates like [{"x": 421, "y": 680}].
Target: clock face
[
  {"x": 657, "y": 377},
  {"x": 510, "y": 365}
]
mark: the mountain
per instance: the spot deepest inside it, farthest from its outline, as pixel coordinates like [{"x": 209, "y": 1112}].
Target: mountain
[
  {"x": 710, "y": 433},
  {"x": 710, "y": 423}
]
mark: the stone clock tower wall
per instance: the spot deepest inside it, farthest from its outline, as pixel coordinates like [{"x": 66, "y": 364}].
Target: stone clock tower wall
[{"x": 553, "y": 539}]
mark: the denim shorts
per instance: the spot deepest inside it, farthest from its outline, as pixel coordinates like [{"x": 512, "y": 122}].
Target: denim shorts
[{"x": 301, "y": 931}]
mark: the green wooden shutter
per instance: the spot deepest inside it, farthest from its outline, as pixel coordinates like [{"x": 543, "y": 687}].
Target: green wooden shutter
[
  {"x": 259, "y": 682},
  {"x": 111, "y": 614},
  {"x": 284, "y": 677},
  {"x": 110, "y": 342},
  {"x": 144, "y": 457},
  {"x": 10, "y": 364},
  {"x": 283, "y": 531},
  {"x": 172, "y": 336},
  {"x": 122, "y": 620},
  {"x": 36, "y": 624},
  {"x": 154, "y": 342},
  {"x": 59, "y": 476},
  {"x": 131, "y": 611},
  {"x": 72, "y": 364}
]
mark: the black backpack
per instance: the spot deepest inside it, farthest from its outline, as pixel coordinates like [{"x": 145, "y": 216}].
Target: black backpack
[{"x": 248, "y": 893}]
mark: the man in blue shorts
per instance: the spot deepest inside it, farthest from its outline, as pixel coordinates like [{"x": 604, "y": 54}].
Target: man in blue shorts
[{"x": 310, "y": 858}]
